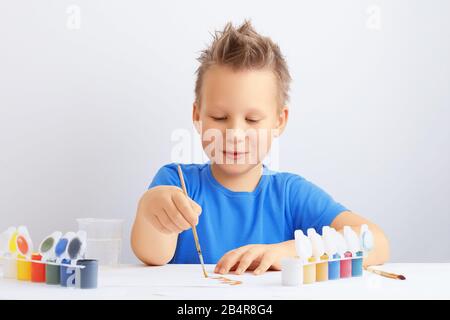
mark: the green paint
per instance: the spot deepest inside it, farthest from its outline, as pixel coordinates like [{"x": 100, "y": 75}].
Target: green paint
[{"x": 47, "y": 245}]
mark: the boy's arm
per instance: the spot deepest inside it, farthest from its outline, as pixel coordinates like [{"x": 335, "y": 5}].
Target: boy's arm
[
  {"x": 381, "y": 251},
  {"x": 149, "y": 244}
]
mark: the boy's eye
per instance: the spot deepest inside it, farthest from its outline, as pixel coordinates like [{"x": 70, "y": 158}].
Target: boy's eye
[
  {"x": 219, "y": 118},
  {"x": 252, "y": 120}
]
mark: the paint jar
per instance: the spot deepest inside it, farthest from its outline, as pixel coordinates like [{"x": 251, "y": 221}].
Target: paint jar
[
  {"x": 87, "y": 277},
  {"x": 10, "y": 267},
  {"x": 104, "y": 239},
  {"x": 357, "y": 265},
  {"x": 67, "y": 274},
  {"x": 309, "y": 272},
  {"x": 52, "y": 273},
  {"x": 291, "y": 272},
  {"x": 23, "y": 268},
  {"x": 322, "y": 269},
  {"x": 37, "y": 269},
  {"x": 346, "y": 266},
  {"x": 334, "y": 268}
]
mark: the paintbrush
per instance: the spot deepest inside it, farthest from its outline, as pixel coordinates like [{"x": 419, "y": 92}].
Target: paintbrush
[
  {"x": 386, "y": 274},
  {"x": 194, "y": 230}
]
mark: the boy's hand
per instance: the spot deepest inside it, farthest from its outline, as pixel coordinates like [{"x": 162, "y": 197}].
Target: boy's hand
[
  {"x": 169, "y": 210},
  {"x": 257, "y": 257}
]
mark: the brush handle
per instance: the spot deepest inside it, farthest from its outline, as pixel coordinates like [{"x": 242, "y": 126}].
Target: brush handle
[
  {"x": 194, "y": 230},
  {"x": 384, "y": 273}
]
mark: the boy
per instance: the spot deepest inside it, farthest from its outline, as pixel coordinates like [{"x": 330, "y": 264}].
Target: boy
[{"x": 245, "y": 214}]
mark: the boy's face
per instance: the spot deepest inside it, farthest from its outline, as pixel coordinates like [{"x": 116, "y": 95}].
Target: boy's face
[{"x": 238, "y": 116}]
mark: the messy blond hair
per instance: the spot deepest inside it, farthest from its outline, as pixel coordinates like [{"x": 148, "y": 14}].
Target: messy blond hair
[{"x": 243, "y": 48}]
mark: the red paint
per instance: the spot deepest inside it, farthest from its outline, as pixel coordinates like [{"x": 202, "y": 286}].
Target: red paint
[
  {"x": 22, "y": 244},
  {"x": 346, "y": 266},
  {"x": 37, "y": 269}
]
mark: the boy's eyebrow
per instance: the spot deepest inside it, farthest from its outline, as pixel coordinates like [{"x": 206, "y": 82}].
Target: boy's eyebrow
[
  {"x": 256, "y": 111},
  {"x": 253, "y": 111},
  {"x": 216, "y": 107}
]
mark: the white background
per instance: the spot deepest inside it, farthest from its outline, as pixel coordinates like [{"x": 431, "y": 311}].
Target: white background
[{"x": 87, "y": 111}]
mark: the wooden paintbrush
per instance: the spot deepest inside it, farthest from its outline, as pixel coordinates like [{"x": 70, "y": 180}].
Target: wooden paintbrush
[
  {"x": 386, "y": 274},
  {"x": 194, "y": 230}
]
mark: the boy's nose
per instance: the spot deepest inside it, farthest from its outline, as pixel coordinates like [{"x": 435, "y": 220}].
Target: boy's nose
[{"x": 234, "y": 135}]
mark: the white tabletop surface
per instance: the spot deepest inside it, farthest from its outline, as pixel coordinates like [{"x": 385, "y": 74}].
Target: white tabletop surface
[{"x": 423, "y": 281}]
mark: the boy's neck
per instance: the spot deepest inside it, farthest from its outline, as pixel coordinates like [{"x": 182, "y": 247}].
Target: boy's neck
[{"x": 245, "y": 182}]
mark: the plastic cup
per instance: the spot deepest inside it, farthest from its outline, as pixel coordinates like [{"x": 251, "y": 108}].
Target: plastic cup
[{"x": 104, "y": 239}]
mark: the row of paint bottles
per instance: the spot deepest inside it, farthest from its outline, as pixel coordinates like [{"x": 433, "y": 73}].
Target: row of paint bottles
[
  {"x": 16, "y": 247},
  {"x": 314, "y": 252}
]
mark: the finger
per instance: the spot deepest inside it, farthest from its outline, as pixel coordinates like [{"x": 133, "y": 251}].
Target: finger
[
  {"x": 167, "y": 223},
  {"x": 157, "y": 224},
  {"x": 196, "y": 207},
  {"x": 219, "y": 264},
  {"x": 266, "y": 261},
  {"x": 246, "y": 260},
  {"x": 184, "y": 207},
  {"x": 176, "y": 217},
  {"x": 225, "y": 257},
  {"x": 229, "y": 260}
]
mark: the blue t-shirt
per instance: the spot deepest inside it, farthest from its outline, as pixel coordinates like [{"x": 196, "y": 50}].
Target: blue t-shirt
[{"x": 280, "y": 204}]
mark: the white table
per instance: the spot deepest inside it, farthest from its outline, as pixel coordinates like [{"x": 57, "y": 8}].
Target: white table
[{"x": 423, "y": 281}]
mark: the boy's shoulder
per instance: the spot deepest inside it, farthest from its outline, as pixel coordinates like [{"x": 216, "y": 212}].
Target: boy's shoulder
[{"x": 282, "y": 175}]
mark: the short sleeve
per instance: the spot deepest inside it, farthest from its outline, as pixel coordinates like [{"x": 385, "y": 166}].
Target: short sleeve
[
  {"x": 311, "y": 206},
  {"x": 166, "y": 176}
]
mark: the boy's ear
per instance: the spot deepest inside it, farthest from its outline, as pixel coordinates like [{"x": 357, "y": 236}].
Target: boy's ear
[
  {"x": 196, "y": 117},
  {"x": 282, "y": 121}
]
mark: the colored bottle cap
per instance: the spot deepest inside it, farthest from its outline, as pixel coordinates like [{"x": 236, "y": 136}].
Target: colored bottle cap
[
  {"x": 317, "y": 243},
  {"x": 60, "y": 248},
  {"x": 12, "y": 244},
  {"x": 341, "y": 245},
  {"x": 366, "y": 238},
  {"x": 23, "y": 242},
  {"x": 329, "y": 242},
  {"x": 77, "y": 246},
  {"x": 36, "y": 257},
  {"x": 303, "y": 246},
  {"x": 5, "y": 239},
  {"x": 352, "y": 239}
]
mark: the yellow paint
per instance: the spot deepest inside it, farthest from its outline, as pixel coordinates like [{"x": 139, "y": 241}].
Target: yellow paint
[
  {"x": 23, "y": 269},
  {"x": 309, "y": 272},
  {"x": 12, "y": 245},
  {"x": 322, "y": 269}
]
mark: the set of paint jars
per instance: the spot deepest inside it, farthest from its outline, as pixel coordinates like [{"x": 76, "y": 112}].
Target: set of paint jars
[
  {"x": 60, "y": 260},
  {"x": 331, "y": 256}
]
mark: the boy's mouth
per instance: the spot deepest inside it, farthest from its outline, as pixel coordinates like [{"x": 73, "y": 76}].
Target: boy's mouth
[{"x": 234, "y": 154}]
